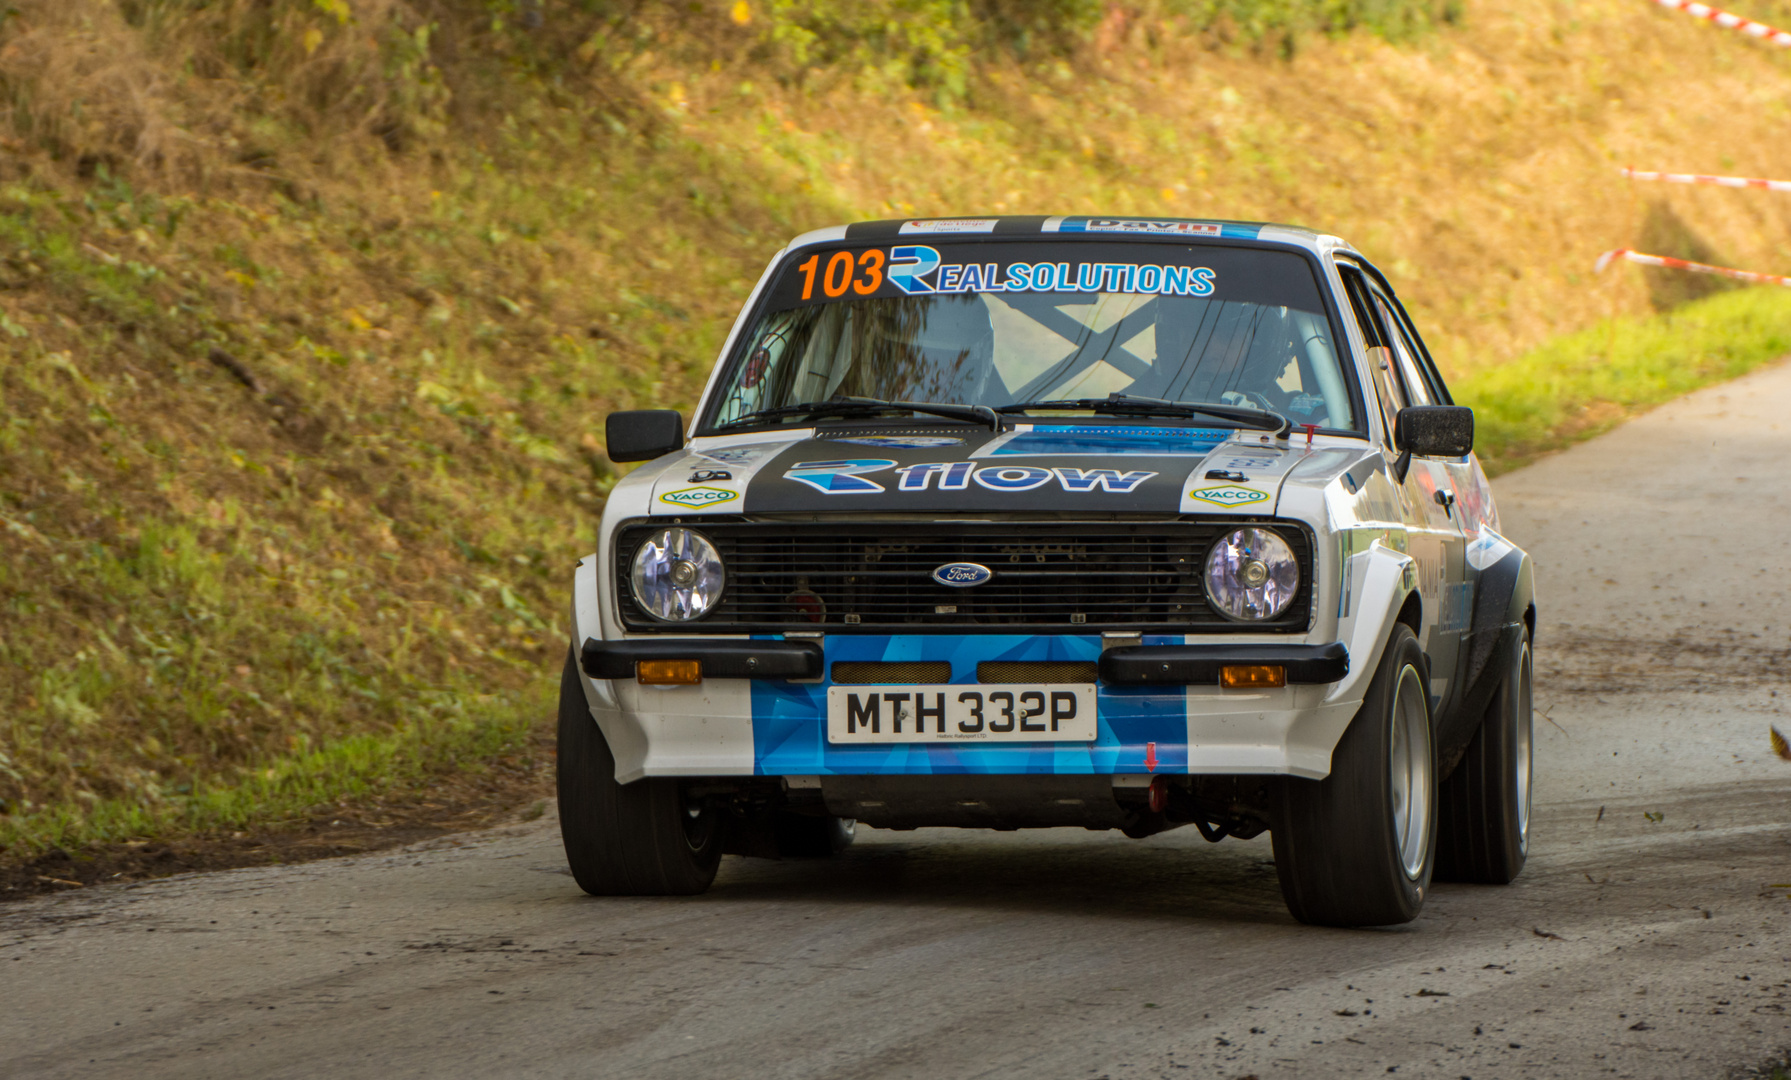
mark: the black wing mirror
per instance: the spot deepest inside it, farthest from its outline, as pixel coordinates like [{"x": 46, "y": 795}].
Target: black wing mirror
[
  {"x": 1435, "y": 430},
  {"x": 643, "y": 434}
]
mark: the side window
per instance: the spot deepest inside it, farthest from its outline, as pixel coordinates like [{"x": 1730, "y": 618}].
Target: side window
[
  {"x": 1412, "y": 378},
  {"x": 1360, "y": 305},
  {"x": 1439, "y": 391},
  {"x": 1387, "y": 388}
]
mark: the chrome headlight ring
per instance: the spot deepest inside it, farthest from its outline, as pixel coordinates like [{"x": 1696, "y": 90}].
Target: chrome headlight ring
[
  {"x": 677, "y": 575},
  {"x": 1251, "y": 574}
]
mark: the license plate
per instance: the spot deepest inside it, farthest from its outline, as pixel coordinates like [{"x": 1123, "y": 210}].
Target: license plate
[{"x": 988, "y": 712}]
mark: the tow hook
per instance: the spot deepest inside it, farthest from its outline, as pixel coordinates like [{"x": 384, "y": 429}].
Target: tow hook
[{"x": 1159, "y": 794}]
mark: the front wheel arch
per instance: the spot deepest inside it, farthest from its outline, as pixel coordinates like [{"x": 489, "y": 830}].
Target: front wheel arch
[{"x": 1340, "y": 852}]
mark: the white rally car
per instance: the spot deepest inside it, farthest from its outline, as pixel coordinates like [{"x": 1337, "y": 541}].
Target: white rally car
[{"x": 1026, "y": 522}]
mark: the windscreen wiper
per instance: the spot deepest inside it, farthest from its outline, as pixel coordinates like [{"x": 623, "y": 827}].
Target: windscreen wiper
[
  {"x": 853, "y": 406},
  {"x": 1149, "y": 406}
]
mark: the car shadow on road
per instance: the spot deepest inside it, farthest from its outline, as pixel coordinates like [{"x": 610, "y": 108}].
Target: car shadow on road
[{"x": 1055, "y": 872}]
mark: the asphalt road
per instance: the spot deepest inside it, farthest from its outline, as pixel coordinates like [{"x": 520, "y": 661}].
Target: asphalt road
[{"x": 1650, "y": 935}]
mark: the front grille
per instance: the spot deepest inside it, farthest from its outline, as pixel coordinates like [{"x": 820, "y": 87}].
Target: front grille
[
  {"x": 1037, "y": 671},
  {"x": 1049, "y": 577},
  {"x": 892, "y": 671}
]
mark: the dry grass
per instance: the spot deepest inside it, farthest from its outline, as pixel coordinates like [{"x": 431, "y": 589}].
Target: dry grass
[
  {"x": 1478, "y": 165},
  {"x": 312, "y": 311}
]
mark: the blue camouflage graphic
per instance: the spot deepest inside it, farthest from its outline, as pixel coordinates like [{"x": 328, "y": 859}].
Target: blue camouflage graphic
[
  {"x": 1097, "y": 439},
  {"x": 790, "y": 719}
]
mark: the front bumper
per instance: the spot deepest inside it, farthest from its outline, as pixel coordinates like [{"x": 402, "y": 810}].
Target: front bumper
[
  {"x": 1131, "y": 665},
  {"x": 761, "y": 722}
]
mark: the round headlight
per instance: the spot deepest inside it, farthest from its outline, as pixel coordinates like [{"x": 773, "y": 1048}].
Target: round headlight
[
  {"x": 1251, "y": 575},
  {"x": 678, "y": 575}
]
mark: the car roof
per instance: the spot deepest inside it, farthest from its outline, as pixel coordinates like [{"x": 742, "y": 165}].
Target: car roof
[{"x": 1070, "y": 228}]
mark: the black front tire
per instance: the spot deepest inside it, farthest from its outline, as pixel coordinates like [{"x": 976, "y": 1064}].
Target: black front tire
[
  {"x": 1357, "y": 848},
  {"x": 1483, "y": 822},
  {"x": 639, "y": 839}
]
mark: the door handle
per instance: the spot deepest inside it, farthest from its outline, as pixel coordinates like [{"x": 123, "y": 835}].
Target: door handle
[{"x": 1446, "y": 499}]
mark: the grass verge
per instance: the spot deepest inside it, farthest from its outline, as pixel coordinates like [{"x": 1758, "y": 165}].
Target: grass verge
[
  {"x": 1581, "y": 385},
  {"x": 349, "y": 771}
]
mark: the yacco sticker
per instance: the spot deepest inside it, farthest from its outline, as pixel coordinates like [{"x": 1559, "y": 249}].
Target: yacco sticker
[
  {"x": 1151, "y": 226},
  {"x": 698, "y": 496},
  {"x": 1228, "y": 495},
  {"x": 900, "y": 442},
  {"x": 839, "y": 477},
  {"x": 1094, "y": 439},
  {"x": 949, "y": 225},
  {"x": 911, "y": 266}
]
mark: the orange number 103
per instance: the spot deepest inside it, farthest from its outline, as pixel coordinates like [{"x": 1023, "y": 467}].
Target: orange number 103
[{"x": 839, "y": 274}]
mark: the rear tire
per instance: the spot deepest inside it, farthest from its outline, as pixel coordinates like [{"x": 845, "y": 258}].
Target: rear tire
[
  {"x": 639, "y": 839},
  {"x": 1483, "y": 820},
  {"x": 1357, "y": 848},
  {"x": 812, "y": 836}
]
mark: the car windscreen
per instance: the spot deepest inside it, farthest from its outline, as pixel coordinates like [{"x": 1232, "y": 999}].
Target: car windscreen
[{"x": 998, "y": 323}]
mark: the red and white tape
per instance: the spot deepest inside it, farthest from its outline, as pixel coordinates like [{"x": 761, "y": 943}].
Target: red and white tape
[
  {"x": 1680, "y": 264},
  {"x": 1731, "y": 21},
  {"x": 1718, "y": 181}
]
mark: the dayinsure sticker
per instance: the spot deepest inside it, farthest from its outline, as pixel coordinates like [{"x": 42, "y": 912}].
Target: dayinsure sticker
[{"x": 949, "y": 225}]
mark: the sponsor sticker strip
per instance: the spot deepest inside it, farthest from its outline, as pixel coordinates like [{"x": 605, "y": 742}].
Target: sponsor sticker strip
[
  {"x": 910, "y": 266},
  {"x": 1730, "y": 21},
  {"x": 1150, "y": 227},
  {"x": 849, "y": 477},
  {"x": 1680, "y": 264},
  {"x": 949, "y": 225},
  {"x": 1716, "y": 181}
]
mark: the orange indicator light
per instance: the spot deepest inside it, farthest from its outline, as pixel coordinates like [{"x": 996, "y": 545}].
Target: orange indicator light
[
  {"x": 1252, "y": 676},
  {"x": 668, "y": 672}
]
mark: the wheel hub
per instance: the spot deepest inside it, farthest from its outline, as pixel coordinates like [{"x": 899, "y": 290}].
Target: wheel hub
[
  {"x": 1520, "y": 699},
  {"x": 1410, "y": 771}
]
